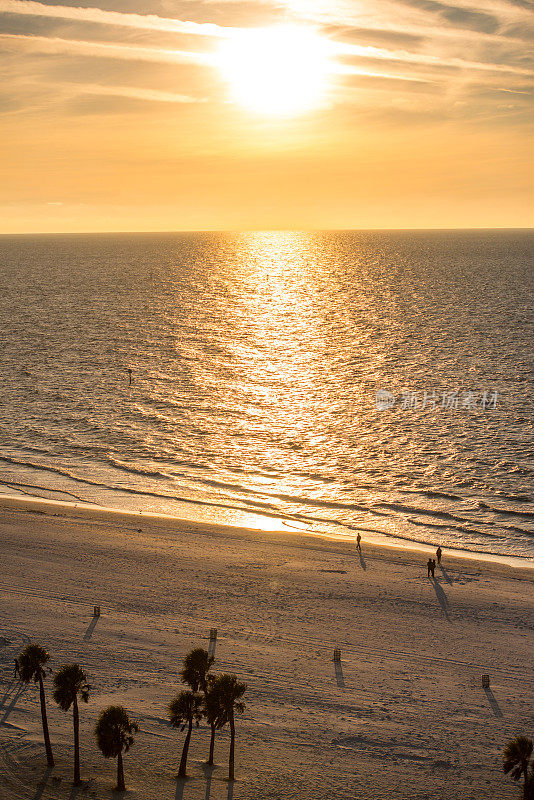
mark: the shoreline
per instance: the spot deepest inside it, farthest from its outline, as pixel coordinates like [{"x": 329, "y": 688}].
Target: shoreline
[
  {"x": 87, "y": 512},
  {"x": 402, "y": 715}
]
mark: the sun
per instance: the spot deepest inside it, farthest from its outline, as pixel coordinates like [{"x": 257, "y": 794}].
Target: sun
[{"x": 279, "y": 71}]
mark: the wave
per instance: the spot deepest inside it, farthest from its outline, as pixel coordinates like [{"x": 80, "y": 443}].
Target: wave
[
  {"x": 433, "y": 493},
  {"x": 17, "y": 485},
  {"x": 241, "y": 498},
  {"x": 423, "y": 511},
  {"x": 510, "y": 511},
  {"x": 266, "y": 509},
  {"x": 518, "y": 498},
  {"x": 148, "y": 473}
]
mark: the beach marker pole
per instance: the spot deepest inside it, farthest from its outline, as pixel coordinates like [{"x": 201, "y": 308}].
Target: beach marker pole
[
  {"x": 213, "y": 641},
  {"x": 96, "y": 611},
  {"x": 337, "y": 655},
  {"x": 485, "y": 681}
]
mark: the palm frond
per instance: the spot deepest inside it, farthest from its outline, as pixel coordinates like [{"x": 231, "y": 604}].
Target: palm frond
[
  {"x": 32, "y": 662},
  {"x": 69, "y": 682},
  {"x": 114, "y": 731}
]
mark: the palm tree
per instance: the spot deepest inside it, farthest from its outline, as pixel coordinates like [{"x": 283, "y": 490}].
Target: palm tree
[
  {"x": 229, "y": 690},
  {"x": 213, "y": 711},
  {"x": 185, "y": 709},
  {"x": 114, "y": 733},
  {"x": 516, "y": 758},
  {"x": 32, "y": 662},
  {"x": 197, "y": 664},
  {"x": 69, "y": 682}
]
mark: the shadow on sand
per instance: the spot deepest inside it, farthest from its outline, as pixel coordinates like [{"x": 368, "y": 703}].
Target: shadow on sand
[
  {"x": 362, "y": 561},
  {"x": 180, "y": 786},
  {"x": 75, "y": 791},
  {"x": 41, "y": 786},
  {"x": 90, "y": 628},
  {"x": 442, "y": 598},
  {"x": 445, "y": 574},
  {"x": 340, "y": 680},
  {"x": 207, "y": 769},
  {"x": 492, "y": 700},
  {"x": 6, "y": 694},
  {"x": 19, "y": 688},
  {"x": 13, "y": 686}
]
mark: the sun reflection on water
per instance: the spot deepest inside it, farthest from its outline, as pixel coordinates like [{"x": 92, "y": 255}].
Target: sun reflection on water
[{"x": 256, "y": 358}]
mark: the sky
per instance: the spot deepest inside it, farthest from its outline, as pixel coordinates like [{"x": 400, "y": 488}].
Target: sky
[{"x": 122, "y": 115}]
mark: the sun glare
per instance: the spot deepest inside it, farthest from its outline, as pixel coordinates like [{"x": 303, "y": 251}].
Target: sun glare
[{"x": 280, "y": 71}]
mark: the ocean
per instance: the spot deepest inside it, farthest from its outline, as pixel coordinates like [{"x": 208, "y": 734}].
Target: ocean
[{"x": 331, "y": 382}]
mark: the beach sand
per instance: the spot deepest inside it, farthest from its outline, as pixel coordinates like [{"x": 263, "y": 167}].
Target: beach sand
[{"x": 403, "y": 716}]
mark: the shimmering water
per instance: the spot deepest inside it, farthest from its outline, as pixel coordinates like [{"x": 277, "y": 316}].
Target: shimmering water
[{"x": 256, "y": 359}]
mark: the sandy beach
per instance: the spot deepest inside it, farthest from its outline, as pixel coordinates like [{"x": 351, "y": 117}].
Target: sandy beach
[{"x": 403, "y": 716}]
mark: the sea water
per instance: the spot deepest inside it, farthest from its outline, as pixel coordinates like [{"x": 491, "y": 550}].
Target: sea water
[{"x": 329, "y": 382}]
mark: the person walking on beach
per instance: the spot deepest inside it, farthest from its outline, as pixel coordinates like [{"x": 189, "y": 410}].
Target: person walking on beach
[
  {"x": 429, "y": 567},
  {"x": 359, "y": 542},
  {"x": 17, "y": 670},
  {"x": 438, "y": 553},
  {"x": 433, "y": 567},
  {"x": 129, "y": 371}
]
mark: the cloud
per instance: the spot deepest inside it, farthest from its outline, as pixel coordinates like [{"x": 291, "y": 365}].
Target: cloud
[
  {"x": 354, "y": 51},
  {"x": 396, "y": 43},
  {"x": 491, "y": 20},
  {"x": 54, "y": 45},
  {"x": 373, "y": 35},
  {"x": 459, "y": 16},
  {"x": 97, "y": 15},
  {"x": 346, "y": 53},
  {"x": 135, "y": 93}
]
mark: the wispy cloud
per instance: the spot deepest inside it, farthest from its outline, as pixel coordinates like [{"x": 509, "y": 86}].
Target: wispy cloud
[
  {"x": 150, "y": 22},
  {"x": 46, "y": 44},
  {"x": 454, "y": 45},
  {"x": 357, "y": 51},
  {"x": 124, "y": 110},
  {"x": 135, "y": 93}
]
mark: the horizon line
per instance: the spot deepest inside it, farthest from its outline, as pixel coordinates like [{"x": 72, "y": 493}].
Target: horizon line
[{"x": 261, "y": 230}]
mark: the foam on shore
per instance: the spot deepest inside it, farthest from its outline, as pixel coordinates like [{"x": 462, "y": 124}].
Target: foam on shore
[{"x": 82, "y": 511}]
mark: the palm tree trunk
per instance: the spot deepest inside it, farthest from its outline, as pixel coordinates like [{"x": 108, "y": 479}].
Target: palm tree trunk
[
  {"x": 212, "y": 745},
  {"x": 120, "y": 774},
  {"x": 232, "y": 749},
  {"x": 46, "y": 735},
  {"x": 76, "y": 722},
  {"x": 182, "y": 772}
]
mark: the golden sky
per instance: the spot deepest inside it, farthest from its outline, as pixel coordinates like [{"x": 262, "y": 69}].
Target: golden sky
[{"x": 245, "y": 114}]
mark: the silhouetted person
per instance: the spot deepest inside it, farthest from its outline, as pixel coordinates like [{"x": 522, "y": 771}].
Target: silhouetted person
[
  {"x": 438, "y": 553},
  {"x": 17, "y": 670},
  {"x": 130, "y": 376},
  {"x": 433, "y": 566},
  {"x": 429, "y": 567},
  {"x": 359, "y": 542}
]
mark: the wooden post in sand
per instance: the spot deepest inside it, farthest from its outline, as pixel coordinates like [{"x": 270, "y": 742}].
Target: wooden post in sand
[
  {"x": 96, "y": 611},
  {"x": 337, "y": 655},
  {"x": 485, "y": 681},
  {"x": 213, "y": 641}
]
